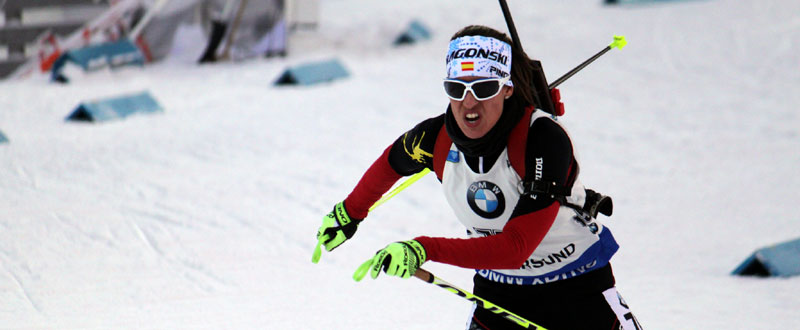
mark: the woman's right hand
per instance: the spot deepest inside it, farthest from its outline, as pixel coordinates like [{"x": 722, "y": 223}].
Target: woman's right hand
[{"x": 337, "y": 227}]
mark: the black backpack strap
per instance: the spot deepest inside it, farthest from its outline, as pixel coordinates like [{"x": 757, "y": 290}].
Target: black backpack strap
[
  {"x": 531, "y": 186},
  {"x": 547, "y": 188},
  {"x": 594, "y": 203}
]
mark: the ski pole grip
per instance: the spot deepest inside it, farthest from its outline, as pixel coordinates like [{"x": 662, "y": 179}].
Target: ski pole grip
[{"x": 424, "y": 275}]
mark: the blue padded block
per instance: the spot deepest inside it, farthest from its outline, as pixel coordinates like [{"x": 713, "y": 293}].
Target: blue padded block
[
  {"x": 778, "y": 260},
  {"x": 415, "y": 32},
  {"x": 313, "y": 73},
  {"x": 111, "y": 54},
  {"x": 3, "y": 138},
  {"x": 117, "y": 107},
  {"x": 638, "y": 2}
]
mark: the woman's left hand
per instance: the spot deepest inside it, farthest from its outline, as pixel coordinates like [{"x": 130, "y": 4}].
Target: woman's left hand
[{"x": 400, "y": 259}]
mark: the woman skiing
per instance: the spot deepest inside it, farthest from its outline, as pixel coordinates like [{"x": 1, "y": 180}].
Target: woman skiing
[{"x": 510, "y": 174}]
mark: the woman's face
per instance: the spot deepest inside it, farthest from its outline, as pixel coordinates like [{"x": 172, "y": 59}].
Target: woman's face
[{"x": 475, "y": 118}]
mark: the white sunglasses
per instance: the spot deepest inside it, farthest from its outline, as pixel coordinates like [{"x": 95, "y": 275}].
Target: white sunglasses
[{"x": 482, "y": 89}]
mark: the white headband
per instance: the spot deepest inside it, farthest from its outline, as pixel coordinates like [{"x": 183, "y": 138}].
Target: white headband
[{"x": 479, "y": 56}]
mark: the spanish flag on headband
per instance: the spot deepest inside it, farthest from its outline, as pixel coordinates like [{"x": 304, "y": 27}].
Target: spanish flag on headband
[{"x": 478, "y": 56}]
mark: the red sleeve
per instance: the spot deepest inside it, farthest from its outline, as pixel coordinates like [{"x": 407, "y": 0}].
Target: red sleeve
[
  {"x": 506, "y": 250},
  {"x": 378, "y": 179}
]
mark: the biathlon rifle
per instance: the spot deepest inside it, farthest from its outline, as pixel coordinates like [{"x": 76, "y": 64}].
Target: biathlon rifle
[{"x": 547, "y": 96}]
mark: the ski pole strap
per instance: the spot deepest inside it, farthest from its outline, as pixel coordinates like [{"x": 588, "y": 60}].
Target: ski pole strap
[{"x": 482, "y": 303}]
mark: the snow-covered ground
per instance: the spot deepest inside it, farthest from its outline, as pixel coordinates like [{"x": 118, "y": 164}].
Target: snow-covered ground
[{"x": 204, "y": 216}]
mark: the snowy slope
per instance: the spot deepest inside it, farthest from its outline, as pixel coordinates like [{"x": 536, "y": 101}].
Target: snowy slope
[{"x": 204, "y": 216}]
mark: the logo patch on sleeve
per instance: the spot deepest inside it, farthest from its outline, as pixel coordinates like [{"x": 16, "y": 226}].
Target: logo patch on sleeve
[
  {"x": 452, "y": 156},
  {"x": 416, "y": 153}
]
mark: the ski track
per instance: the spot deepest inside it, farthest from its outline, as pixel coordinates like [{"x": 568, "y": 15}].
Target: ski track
[
  {"x": 24, "y": 291},
  {"x": 145, "y": 238},
  {"x": 178, "y": 258},
  {"x": 69, "y": 226}
]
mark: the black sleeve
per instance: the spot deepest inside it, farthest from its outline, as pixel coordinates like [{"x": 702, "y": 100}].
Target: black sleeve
[
  {"x": 548, "y": 158},
  {"x": 413, "y": 151}
]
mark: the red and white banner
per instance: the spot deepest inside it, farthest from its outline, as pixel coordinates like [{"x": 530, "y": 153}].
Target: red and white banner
[{"x": 112, "y": 25}]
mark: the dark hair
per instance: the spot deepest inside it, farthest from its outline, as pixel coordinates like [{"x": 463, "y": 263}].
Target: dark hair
[{"x": 521, "y": 70}]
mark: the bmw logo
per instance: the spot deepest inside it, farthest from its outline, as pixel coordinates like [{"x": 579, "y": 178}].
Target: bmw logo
[{"x": 486, "y": 199}]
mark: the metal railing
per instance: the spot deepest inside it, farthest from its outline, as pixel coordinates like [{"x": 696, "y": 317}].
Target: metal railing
[{"x": 16, "y": 34}]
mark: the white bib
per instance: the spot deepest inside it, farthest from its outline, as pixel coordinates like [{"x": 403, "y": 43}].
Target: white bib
[{"x": 484, "y": 202}]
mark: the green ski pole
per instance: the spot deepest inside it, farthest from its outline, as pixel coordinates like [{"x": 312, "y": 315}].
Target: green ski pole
[
  {"x": 619, "y": 42},
  {"x": 427, "y": 276},
  {"x": 414, "y": 178},
  {"x": 430, "y": 278},
  {"x": 401, "y": 187},
  {"x": 508, "y": 315}
]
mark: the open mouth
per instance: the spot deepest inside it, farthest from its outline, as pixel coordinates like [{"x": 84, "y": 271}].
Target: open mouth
[{"x": 472, "y": 117}]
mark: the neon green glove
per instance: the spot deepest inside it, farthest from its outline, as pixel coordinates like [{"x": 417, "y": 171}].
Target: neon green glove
[
  {"x": 337, "y": 227},
  {"x": 400, "y": 259}
]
